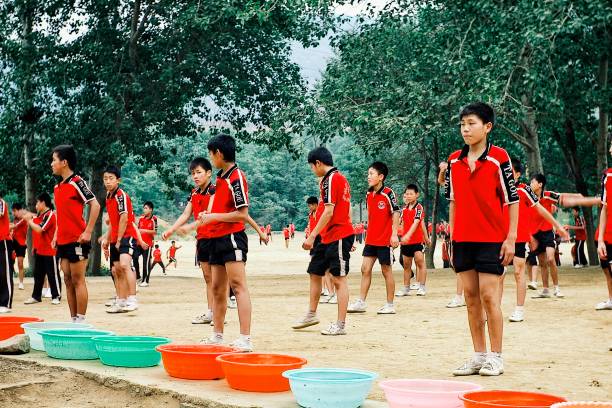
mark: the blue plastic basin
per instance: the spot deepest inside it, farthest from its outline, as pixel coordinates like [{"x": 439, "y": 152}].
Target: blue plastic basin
[{"x": 330, "y": 387}]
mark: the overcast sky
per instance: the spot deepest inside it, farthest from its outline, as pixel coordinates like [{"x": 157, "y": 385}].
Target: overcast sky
[{"x": 356, "y": 9}]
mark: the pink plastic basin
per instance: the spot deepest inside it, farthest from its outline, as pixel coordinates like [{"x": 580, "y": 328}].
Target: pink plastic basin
[{"x": 426, "y": 393}]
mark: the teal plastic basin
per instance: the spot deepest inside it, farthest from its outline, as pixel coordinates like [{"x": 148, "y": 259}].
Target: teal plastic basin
[
  {"x": 129, "y": 351},
  {"x": 72, "y": 344}
]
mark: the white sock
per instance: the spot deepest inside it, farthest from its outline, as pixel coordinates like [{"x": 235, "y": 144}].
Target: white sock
[
  {"x": 479, "y": 356},
  {"x": 121, "y": 302},
  {"x": 218, "y": 335},
  {"x": 390, "y": 304},
  {"x": 557, "y": 287},
  {"x": 340, "y": 324},
  {"x": 496, "y": 355},
  {"x": 422, "y": 286},
  {"x": 520, "y": 308},
  {"x": 245, "y": 337},
  {"x": 132, "y": 299}
]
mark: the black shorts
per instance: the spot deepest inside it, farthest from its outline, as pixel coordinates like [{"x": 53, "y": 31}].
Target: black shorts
[
  {"x": 605, "y": 263},
  {"x": 520, "y": 250},
  {"x": 203, "y": 250},
  {"x": 410, "y": 250},
  {"x": 384, "y": 254},
  {"x": 316, "y": 242},
  {"x": 546, "y": 239},
  {"x": 127, "y": 246},
  {"x": 229, "y": 248},
  {"x": 20, "y": 250},
  {"x": 480, "y": 256},
  {"x": 334, "y": 256},
  {"x": 73, "y": 252}
]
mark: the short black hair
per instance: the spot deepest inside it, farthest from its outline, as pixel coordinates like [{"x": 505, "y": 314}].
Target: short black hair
[
  {"x": 148, "y": 204},
  {"x": 321, "y": 154},
  {"x": 225, "y": 144},
  {"x": 484, "y": 111},
  {"x": 312, "y": 200},
  {"x": 412, "y": 187},
  {"x": 45, "y": 198},
  {"x": 540, "y": 178},
  {"x": 200, "y": 162},
  {"x": 17, "y": 206},
  {"x": 577, "y": 209},
  {"x": 112, "y": 169},
  {"x": 66, "y": 152},
  {"x": 156, "y": 246},
  {"x": 173, "y": 242},
  {"x": 518, "y": 166},
  {"x": 381, "y": 168}
]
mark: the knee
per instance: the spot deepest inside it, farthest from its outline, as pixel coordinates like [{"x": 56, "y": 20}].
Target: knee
[
  {"x": 237, "y": 286},
  {"x": 366, "y": 271},
  {"x": 489, "y": 299}
]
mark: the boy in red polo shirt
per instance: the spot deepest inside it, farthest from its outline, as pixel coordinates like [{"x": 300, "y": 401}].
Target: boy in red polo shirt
[
  {"x": 579, "y": 229},
  {"x": 229, "y": 243},
  {"x": 157, "y": 259},
  {"x": 287, "y": 235},
  {"x": 73, "y": 236},
  {"x": 6, "y": 263},
  {"x": 413, "y": 237},
  {"x": 383, "y": 219},
  {"x": 147, "y": 225},
  {"x": 43, "y": 227},
  {"x": 123, "y": 238},
  {"x": 479, "y": 183},
  {"x": 337, "y": 237},
  {"x": 19, "y": 230}
]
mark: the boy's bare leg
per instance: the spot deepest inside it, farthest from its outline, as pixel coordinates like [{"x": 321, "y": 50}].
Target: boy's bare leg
[
  {"x": 205, "y": 266},
  {"x": 316, "y": 284},
  {"x": 219, "y": 284},
  {"x": 472, "y": 293},
  {"x": 343, "y": 296},
  {"x": 366, "y": 276},
  {"x": 237, "y": 280},
  {"x": 389, "y": 282},
  {"x": 489, "y": 294}
]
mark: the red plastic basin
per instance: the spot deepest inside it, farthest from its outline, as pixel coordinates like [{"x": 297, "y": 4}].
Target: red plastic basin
[
  {"x": 11, "y": 325},
  {"x": 513, "y": 399},
  {"x": 193, "y": 362},
  {"x": 258, "y": 372}
]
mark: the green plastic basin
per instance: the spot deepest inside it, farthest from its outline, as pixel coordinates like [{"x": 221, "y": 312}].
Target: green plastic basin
[
  {"x": 129, "y": 351},
  {"x": 71, "y": 344}
]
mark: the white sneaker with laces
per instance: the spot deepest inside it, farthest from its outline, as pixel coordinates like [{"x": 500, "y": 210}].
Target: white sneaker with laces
[
  {"x": 21, "y": 287},
  {"x": 323, "y": 299},
  {"x": 517, "y": 316},
  {"x": 213, "y": 340},
  {"x": 470, "y": 367},
  {"x": 358, "y": 306},
  {"x": 231, "y": 303},
  {"x": 421, "y": 291},
  {"x": 130, "y": 307},
  {"x": 4, "y": 309},
  {"x": 143, "y": 284},
  {"x": 116, "y": 309},
  {"x": 558, "y": 294},
  {"x": 46, "y": 293},
  {"x": 243, "y": 344},
  {"x": 204, "y": 318},
  {"x": 55, "y": 301},
  {"x": 386, "y": 309},
  {"x": 31, "y": 301},
  {"x": 456, "y": 301},
  {"x": 607, "y": 305},
  {"x": 492, "y": 367},
  {"x": 111, "y": 302},
  {"x": 334, "y": 330},
  {"x": 333, "y": 299},
  {"x": 308, "y": 320},
  {"x": 414, "y": 286},
  {"x": 405, "y": 291},
  {"x": 533, "y": 285},
  {"x": 544, "y": 294}
]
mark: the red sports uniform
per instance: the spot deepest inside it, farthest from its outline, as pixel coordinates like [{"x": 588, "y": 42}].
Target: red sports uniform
[
  {"x": 232, "y": 193},
  {"x": 71, "y": 195},
  {"x": 200, "y": 200},
  {"x": 409, "y": 215},
  {"x": 335, "y": 190},
  {"x": 381, "y": 206},
  {"x": 148, "y": 223},
  {"x": 41, "y": 241},
  {"x": 117, "y": 204}
]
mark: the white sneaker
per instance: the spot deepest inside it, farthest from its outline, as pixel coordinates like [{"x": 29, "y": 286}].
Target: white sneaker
[
  {"x": 544, "y": 294},
  {"x": 558, "y": 294},
  {"x": 111, "y": 302},
  {"x": 143, "y": 284},
  {"x": 421, "y": 291},
  {"x": 55, "y": 301},
  {"x": 212, "y": 323},
  {"x": 456, "y": 301},
  {"x": 358, "y": 306},
  {"x": 607, "y": 305},
  {"x": 243, "y": 344},
  {"x": 386, "y": 309},
  {"x": 116, "y": 309},
  {"x": 533, "y": 285},
  {"x": 414, "y": 286},
  {"x": 323, "y": 299},
  {"x": 46, "y": 293},
  {"x": 334, "y": 330},
  {"x": 517, "y": 316},
  {"x": 213, "y": 340},
  {"x": 21, "y": 287},
  {"x": 231, "y": 303},
  {"x": 470, "y": 367},
  {"x": 130, "y": 307},
  {"x": 333, "y": 299},
  {"x": 306, "y": 321},
  {"x": 405, "y": 291},
  {"x": 493, "y": 366},
  {"x": 31, "y": 301},
  {"x": 204, "y": 318},
  {"x": 4, "y": 309}
]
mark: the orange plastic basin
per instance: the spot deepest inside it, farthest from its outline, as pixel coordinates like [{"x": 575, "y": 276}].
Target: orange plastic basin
[
  {"x": 514, "y": 399},
  {"x": 258, "y": 372},
  {"x": 193, "y": 362},
  {"x": 11, "y": 325}
]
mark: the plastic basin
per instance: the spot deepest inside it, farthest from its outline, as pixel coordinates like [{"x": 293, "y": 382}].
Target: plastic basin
[
  {"x": 330, "y": 387},
  {"x": 258, "y": 372},
  {"x": 129, "y": 351},
  {"x": 11, "y": 325},
  {"x": 71, "y": 344},
  {"x": 406, "y": 393},
  {"x": 194, "y": 362},
  {"x": 515, "y": 399},
  {"x": 33, "y": 331},
  {"x": 582, "y": 404}
]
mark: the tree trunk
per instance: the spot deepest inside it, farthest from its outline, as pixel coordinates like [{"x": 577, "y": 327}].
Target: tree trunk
[
  {"x": 602, "y": 133},
  {"x": 30, "y": 196},
  {"x": 530, "y": 133},
  {"x": 429, "y": 255},
  {"x": 97, "y": 187}
]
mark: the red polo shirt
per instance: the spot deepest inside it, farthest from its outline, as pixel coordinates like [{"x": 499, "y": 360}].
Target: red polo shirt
[
  {"x": 381, "y": 206},
  {"x": 148, "y": 223},
  {"x": 71, "y": 195},
  {"x": 480, "y": 195},
  {"x": 548, "y": 200},
  {"x": 606, "y": 199},
  {"x": 580, "y": 234},
  {"x": 315, "y": 216},
  {"x": 527, "y": 200},
  {"x": 157, "y": 255},
  {"x": 200, "y": 199},
  {"x": 286, "y": 232},
  {"x": 41, "y": 241},
  {"x": 20, "y": 232},
  {"x": 232, "y": 193},
  {"x": 409, "y": 214},
  {"x": 268, "y": 229},
  {"x": 336, "y": 191},
  {"x": 118, "y": 203},
  {"x": 5, "y": 223}
]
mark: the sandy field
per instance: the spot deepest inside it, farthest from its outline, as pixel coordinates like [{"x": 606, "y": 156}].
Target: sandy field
[{"x": 562, "y": 347}]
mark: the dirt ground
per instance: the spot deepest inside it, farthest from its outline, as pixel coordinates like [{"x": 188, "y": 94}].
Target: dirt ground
[{"x": 562, "y": 347}]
